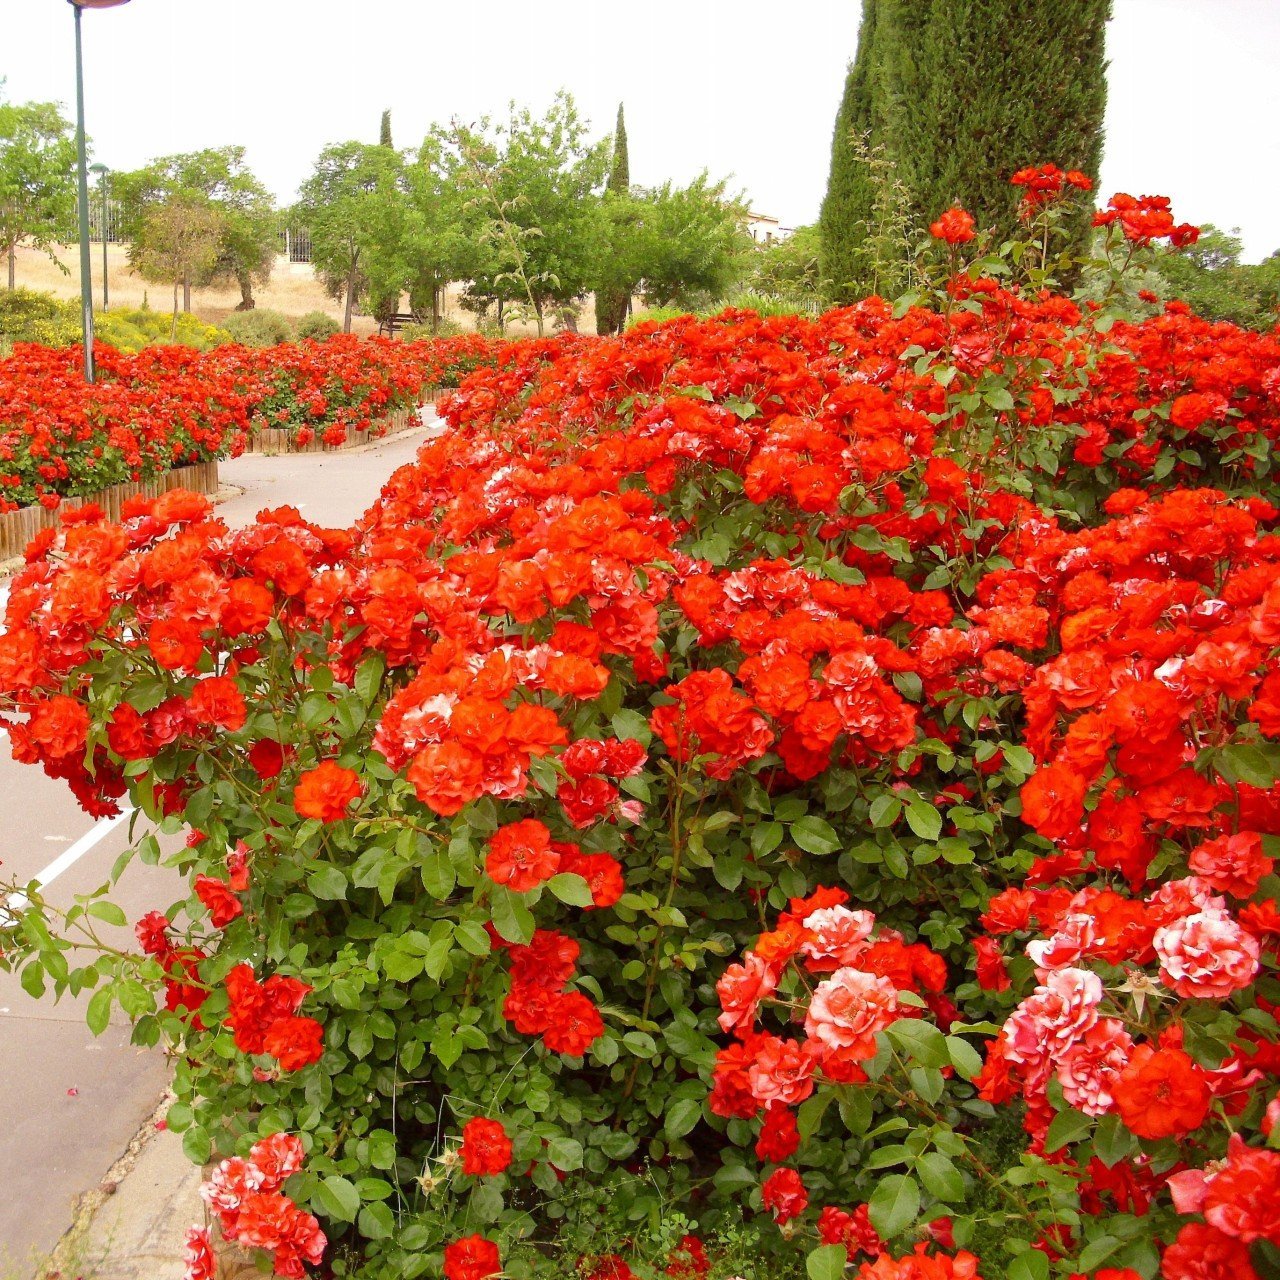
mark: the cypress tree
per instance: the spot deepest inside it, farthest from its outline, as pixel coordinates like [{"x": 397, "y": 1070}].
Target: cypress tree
[
  {"x": 1000, "y": 84},
  {"x": 612, "y": 304},
  {"x": 960, "y": 94},
  {"x": 846, "y": 209},
  {"x": 384, "y": 134},
  {"x": 620, "y": 172}
]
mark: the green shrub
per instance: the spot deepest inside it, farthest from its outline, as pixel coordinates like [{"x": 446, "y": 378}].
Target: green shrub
[
  {"x": 259, "y": 328},
  {"x": 765, "y": 304},
  {"x": 28, "y": 316},
  {"x": 318, "y": 325},
  {"x": 445, "y": 329},
  {"x": 655, "y": 315},
  {"x": 132, "y": 329}
]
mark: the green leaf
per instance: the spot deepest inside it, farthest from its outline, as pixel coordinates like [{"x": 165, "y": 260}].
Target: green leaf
[
  {"x": 369, "y": 676},
  {"x": 376, "y": 1222},
  {"x": 894, "y": 1205},
  {"x": 682, "y": 1117},
  {"x": 766, "y": 837},
  {"x": 1112, "y": 1142},
  {"x": 98, "y": 1013},
  {"x": 924, "y": 819},
  {"x": 1066, "y": 1127},
  {"x": 108, "y": 913},
  {"x": 815, "y": 835},
  {"x": 473, "y": 937},
  {"x": 827, "y": 1262},
  {"x": 921, "y": 1040},
  {"x": 511, "y": 917},
  {"x": 438, "y": 875},
  {"x": 338, "y": 1198},
  {"x": 197, "y": 1146},
  {"x": 565, "y": 1154},
  {"x": 328, "y": 883},
  {"x": 885, "y": 810},
  {"x": 964, "y": 1057},
  {"x": 941, "y": 1178},
  {"x": 571, "y": 889},
  {"x": 1031, "y": 1265}
]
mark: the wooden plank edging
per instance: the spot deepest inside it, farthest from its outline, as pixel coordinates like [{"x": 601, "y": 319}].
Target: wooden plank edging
[{"x": 17, "y": 528}]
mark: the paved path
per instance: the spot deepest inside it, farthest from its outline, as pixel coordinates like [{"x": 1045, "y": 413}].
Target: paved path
[{"x": 72, "y": 1103}]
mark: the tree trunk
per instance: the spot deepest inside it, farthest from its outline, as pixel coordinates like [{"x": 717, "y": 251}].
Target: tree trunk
[
  {"x": 537, "y": 311},
  {"x": 173, "y": 330},
  {"x": 186, "y": 293},
  {"x": 247, "y": 302},
  {"x": 501, "y": 322},
  {"x": 435, "y": 309},
  {"x": 12, "y": 265},
  {"x": 351, "y": 289}
]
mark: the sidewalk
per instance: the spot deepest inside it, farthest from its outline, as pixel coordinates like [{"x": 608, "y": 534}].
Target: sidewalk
[{"x": 124, "y": 1189}]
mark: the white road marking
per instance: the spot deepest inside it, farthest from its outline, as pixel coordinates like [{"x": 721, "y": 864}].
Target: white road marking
[{"x": 69, "y": 857}]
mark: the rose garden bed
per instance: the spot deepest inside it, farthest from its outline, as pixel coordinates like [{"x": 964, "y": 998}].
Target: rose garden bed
[{"x": 757, "y": 796}]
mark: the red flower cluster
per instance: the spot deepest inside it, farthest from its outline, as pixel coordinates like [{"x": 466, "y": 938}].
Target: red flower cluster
[
  {"x": 486, "y": 1149},
  {"x": 1145, "y": 219},
  {"x": 263, "y": 1018},
  {"x": 245, "y": 1197},
  {"x": 472, "y": 1258},
  {"x": 539, "y": 1005}
]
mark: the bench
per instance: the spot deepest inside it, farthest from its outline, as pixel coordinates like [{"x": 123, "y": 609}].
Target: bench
[{"x": 397, "y": 322}]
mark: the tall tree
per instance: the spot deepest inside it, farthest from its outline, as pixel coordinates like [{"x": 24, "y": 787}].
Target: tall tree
[
  {"x": 354, "y": 206},
  {"x": 219, "y": 179},
  {"x": 535, "y": 182},
  {"x": 613, "y": 297},
  {"x": 179, "y": 240},
  {"x": 384, "y": 133},
  {"x": 37, "y": 179},
  {"x": 953, "y": 96},
  {"x": 846, "y": 208}
]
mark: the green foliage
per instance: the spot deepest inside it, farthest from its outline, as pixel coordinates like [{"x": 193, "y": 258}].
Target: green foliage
[
  {"x": 37, "y": 185},
  {"x": 132, "y": 329},
  {"x": 384, "y": 131},
  {"x": 442, "y": 328},
  {"x": 934, "y": 84},
  {"x": 789, "y": 268},
  {"x": 263, "y": 327},
  {"x": 353, "y": 206},
  {"x": 28, "y": 316},
  {"x": 317, "y": 325},
  {"x": 613, "y": 296},
  {"x": 240, "y": 210},
  {"x": 1210, "y": 278}
]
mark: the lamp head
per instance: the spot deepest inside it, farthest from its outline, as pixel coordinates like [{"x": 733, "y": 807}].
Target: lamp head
[
  {"x": 96, "y": 4},
  {"x": 99, "y": 169}
]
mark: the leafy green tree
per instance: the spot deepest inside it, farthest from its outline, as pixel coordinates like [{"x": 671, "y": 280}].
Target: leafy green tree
[
  {"x": 613, "y": 290},
  {"x": 694, "y": 244},
  {"x": 535, "y": 183},
  {"x": 37, "y": 179},
  {"x": 218, "y": 178},
  {"x": 179, "y": 241},
  {"x": 1210, "y": 278},
  {"x": 355, "y": 208},
  {"x": 789, "y": 269},
  {"x": 954, "y": 96},
  {"x": 384, "y": 132},
  {"x": 443, "y": 238}
]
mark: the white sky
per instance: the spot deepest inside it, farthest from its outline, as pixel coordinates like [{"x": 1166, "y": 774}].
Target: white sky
[{"x": 742, "y": 87}]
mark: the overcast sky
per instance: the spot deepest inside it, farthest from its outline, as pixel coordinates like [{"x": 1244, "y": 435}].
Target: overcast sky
[{"x": 745, "y": 88}]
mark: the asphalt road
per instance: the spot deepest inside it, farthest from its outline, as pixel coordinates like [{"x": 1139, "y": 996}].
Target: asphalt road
[{"x": 72, "y": 1102}]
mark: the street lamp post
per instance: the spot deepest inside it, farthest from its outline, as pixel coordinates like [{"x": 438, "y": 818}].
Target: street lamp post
[
  {"x": 86, "y": 281},
  {"x": 101, "y": 170}
]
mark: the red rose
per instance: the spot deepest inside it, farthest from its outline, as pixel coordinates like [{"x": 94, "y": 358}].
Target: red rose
[
  {"x": 223, "y": 905},
  {"x": 520, "y": 855},
  {"x": 486, "y": 1149},
  {"x": 294, "y": 1042},
  {"x": 783, "y": 1193},
  {"x": 326, "y": 792},
  {"x": 471, "y": 1258}
]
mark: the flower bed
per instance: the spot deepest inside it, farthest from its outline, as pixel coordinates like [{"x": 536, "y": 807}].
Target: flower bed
[
  {"x": 170, "y": 407},
  {"x": 756, "y": 795}
]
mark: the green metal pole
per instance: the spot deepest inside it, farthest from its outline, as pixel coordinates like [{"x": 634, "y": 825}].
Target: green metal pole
[
  {"x": 105, "y": 295},
  {"x": 86, "y": 269}
]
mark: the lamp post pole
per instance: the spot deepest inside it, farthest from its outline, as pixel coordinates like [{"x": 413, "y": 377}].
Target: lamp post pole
[
  {"x": 86, "y": 281},
  {"x": 101, "y": 170}
]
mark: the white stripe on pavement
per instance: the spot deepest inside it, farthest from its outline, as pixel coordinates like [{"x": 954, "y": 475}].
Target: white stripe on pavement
[{"x": 67, "y": 859}]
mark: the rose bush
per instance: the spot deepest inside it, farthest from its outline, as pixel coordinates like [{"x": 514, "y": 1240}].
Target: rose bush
[
  {"x": 818, "y": 768},
  {"x": 170, "y": 406}
]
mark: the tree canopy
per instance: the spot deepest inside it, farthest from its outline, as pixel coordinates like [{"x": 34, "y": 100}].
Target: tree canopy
[{"x": 37, "y": 179}]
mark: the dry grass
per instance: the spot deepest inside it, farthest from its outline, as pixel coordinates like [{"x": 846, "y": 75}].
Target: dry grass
[{"x": 293, "y": 289}]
